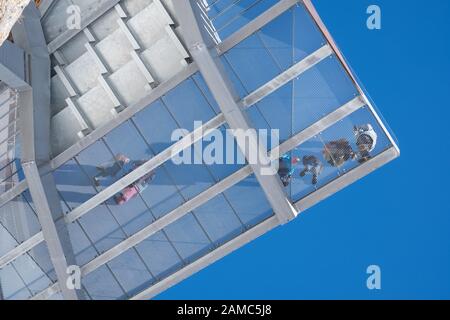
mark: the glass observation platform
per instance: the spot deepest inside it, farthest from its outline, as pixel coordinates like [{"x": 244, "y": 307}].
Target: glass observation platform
[{"x": 120, "y": 86}]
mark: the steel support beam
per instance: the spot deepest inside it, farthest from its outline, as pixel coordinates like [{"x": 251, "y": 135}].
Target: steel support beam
[
  {"x": 256, "y": 24},
  {"x": 347, "y": 179},
  {"x": 47, "y": 293},
  {"x": 13, "y": 193},
  {"x": 35, "y": 128},
  {"x": 287, "y": 76},
  {"x": 208, "y": 259},
  {"x": 56, "y": 236},
  {"x": 21, "y": 249},
  {"x": 45, "y": 5},
  {"x": 11, "y": 78},
  {"x": 215, "y": 78}
]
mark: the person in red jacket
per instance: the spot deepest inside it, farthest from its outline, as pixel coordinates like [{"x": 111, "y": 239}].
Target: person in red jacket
[{"x": 135, "y": 188}]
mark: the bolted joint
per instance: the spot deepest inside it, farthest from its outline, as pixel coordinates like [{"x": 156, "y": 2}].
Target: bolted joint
[
  {"x": 28, "y": 163},
  {"x": 198, "y": 47}
]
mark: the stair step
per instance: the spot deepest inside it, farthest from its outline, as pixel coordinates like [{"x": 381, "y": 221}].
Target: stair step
[
  {"x": 122, "y": 14},
  {"x": 164, "y": 59},
  {"x": 58, "y": 95},
  {"x": 65, "y": 130},
  {"x": 66, "y": 81},
  {"x": 133, "y": 7},
  {"x": 74, "y": 48},
  {"x": 129, "y": 83},
  {"x": 103, "y": 27},
  {"x": 148, "y": 26},
  {"x": 97, "y": 106},
  {"x": 168, "y": 5},
  {"x": 126, "y": 31},
  {"x": 94, "y": 55},
  {"x": 83, "y": 73}
]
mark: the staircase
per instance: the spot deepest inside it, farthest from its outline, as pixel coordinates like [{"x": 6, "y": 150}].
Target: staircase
[{"x": 109, "y": 65}]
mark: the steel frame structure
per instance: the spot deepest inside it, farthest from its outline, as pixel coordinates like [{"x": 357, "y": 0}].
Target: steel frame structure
[{"x": 38, "y": 166}]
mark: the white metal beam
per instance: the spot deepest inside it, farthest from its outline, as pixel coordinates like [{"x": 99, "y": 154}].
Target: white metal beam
[
  {"x": 46, "y": 200},
  {"x": 256, "y": 24},
  {"x": 347, "y": 179},
  {"x": 220, "y": 88},
  {"x": 288, "y": 75},
  {"x": 45, "y": 5},
  {"x": 49, "y": 230},
  {"x": 13, "y": 193},
  {"x": 208, "y": 259},
  {"x": 321, "y": 125},
  {"x": 35, "y": 128},
  {"x": 21, "y": 249}
]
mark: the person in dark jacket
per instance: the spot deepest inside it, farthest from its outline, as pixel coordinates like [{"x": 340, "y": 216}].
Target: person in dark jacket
[
  {"x": 111, "y": 168},
  {"x": 313, "y": 166},
  {"x": 336, "y": 153},
  {"x": 286, "y": 168}
]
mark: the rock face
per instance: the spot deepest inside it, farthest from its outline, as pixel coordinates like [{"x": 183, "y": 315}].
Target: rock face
[{"x": 10, "y": 12}]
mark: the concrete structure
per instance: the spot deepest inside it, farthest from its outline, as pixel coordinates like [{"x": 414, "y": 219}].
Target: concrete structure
[{"x": 85, "y": 82}]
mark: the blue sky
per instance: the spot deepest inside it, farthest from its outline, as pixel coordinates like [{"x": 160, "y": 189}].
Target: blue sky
[{"x": 405, "y": 226}]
